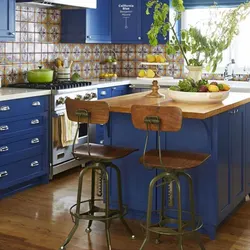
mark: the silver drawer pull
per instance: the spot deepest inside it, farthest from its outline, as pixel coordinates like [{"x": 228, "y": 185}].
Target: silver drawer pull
[
  {"x": 3, "y": 174},
  {"x": 35, "y": 121},
  {"x": 4, "y": 108},
  {"x": 35, "y": 104},
  {"x": 102, "y": 142},
  {"x": 34, "y": 164},
  {"x": 4, "y": 128},
  {"x": 35, "y": 141},
  {"x": 114, "y": 88},
  {"x": 103, "y": 93},
  {"x": 4, "y": 149}
]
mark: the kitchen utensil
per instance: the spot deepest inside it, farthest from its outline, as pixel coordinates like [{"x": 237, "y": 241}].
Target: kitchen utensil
[
  {"x": 63, "y": 74},
  {"x": 40, "y": 75},
  {"x": 70, "y": 64}
]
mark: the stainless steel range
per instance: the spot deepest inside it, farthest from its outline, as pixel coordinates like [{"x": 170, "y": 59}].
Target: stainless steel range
[{"x": 61, "y": 158}]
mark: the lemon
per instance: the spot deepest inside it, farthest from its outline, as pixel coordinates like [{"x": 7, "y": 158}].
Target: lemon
[{"x": 213, "y": 88}]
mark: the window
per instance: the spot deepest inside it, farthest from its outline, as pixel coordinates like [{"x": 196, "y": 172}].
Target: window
[{"x": 239, "y": 49}]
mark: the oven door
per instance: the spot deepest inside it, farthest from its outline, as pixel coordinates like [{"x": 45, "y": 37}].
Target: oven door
[{"x": 62, "y": 154}]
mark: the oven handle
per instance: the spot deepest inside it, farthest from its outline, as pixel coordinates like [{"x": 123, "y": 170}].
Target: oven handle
[{"x": 58, "y": 114}]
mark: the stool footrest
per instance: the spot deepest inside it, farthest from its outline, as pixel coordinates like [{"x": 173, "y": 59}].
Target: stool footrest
[
  {"x": 169, "y": 226},
  {"x": 90, "y": 214}
]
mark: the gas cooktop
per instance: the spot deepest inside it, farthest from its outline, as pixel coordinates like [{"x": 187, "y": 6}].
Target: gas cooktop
[{"x": 53, "y": 86}]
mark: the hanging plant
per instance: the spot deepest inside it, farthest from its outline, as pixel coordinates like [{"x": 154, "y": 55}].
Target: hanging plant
[{"x": 197, "y": 48}]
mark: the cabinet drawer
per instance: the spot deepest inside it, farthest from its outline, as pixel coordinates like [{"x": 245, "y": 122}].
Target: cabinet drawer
[
  {"x": 25, "y": 106},
  {"x": 10, "y": 127},
  {"x": 17, "y": 172},
  {"x": 104, "y": 93},
  {"x": 15, "y": 150}
]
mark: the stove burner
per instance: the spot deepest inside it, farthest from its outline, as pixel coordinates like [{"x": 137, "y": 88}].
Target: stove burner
[{"x": 55, "y": 85}]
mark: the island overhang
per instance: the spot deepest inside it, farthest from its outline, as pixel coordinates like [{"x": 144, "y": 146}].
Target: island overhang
[{"x": 123, "y": 104}]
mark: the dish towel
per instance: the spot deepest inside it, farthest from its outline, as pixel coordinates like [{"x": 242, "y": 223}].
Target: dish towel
[
  {"x": 56, "y": 133},
  {"x": 68, "y": 131}
]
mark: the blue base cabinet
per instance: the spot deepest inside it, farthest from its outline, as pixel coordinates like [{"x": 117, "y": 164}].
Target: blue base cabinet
[
  {"x": 220, "y": 184},
  {"x": 23, "y": 144},
  {"x": 7, "y": 24},
  {"x": 104, "y": 93}
]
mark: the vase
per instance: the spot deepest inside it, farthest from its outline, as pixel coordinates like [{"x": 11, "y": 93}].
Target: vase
[{"x": 195, "y": 72}]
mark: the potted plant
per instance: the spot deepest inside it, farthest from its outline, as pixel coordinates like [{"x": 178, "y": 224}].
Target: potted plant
[{"x": 198, "y": 49}]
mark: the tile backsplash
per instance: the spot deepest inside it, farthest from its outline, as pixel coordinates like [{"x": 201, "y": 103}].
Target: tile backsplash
[{"x": 38, "y": 43}]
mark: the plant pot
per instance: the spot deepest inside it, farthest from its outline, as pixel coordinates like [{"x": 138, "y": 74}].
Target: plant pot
[
  {"x": 40, "y": 75},
  {"x": 195, "y": 72}
]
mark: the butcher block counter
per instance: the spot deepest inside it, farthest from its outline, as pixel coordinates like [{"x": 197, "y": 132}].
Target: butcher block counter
[{"x": 122, "y": 104}]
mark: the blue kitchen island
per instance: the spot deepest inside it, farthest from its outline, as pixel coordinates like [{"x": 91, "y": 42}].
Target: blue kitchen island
[{"x": 222, "y": 130}]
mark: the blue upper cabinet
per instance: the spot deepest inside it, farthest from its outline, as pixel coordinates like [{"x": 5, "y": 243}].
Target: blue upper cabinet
[
  {"x": 73, "y": 26},
  {"x": 87, "y": 25},
  {"x": 7, "y": 24},
  {"x": 147, "y": 20},
  {"x": 98, "y": 23},
  {"x": 126, "y": 21}
]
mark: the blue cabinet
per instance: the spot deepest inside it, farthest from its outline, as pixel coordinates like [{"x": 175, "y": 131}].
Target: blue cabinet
[
  {"x": 98, "y": 23},
  {"x": 247, "y": 150},
  {"x": 108, "y": 93},
  {"x": 23, "y": 144},
  {"x": 126, "y": 21},
  {"x": 87, "y": 25},
  {"x": 7, "y": 24}
]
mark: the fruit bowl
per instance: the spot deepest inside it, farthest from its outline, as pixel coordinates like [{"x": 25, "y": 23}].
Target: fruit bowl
[{"x": 197, "y": 97}]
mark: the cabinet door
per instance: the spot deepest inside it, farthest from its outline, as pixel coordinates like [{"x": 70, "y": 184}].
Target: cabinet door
[
  {"x": 98, "y": 23},
  {"x": 7, "y": 24},
  {"x": 119, "y": 90},
  {"x": 146, "y": 24},
  {"x": 126, "y": 21},
  {"x": 73, "y": 26},
  {"x": 225, "y": 205},
  {"x": 247, "y": 149},
  {"x": 237, "y": 155}
]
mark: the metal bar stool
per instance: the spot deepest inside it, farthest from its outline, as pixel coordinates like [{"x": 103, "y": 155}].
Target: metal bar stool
[
  {"x": 99, "y": 159},
  {"x": 173, "y": 165}
]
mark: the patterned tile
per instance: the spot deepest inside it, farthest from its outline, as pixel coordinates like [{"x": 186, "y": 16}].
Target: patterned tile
[
  {"x": 174, "y": 69},
  {"x": 141, "y": 52},
  {"x": 54, "y": 33},
  {"x": 87, "y": 52},
  {"x": 96, "y": 52},
  {"x": 86, "y": 70},
  {"x": 76, "y": 68},
  {"x": 54, "y": 16},
  {"x": 96, "y": 69},
  {"x": 76, "y": 53}
]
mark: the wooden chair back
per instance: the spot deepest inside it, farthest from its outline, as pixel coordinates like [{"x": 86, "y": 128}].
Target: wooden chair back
[
  {"x": 156, "y": 118},
  {"x": 93, "y": 112}
]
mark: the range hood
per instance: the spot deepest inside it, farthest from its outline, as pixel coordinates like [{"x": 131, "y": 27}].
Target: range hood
[{"x": 63, "y": 4}]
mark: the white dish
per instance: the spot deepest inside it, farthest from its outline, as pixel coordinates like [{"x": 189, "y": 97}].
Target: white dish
[
  {"x": 197, "y": 97},
  {"x": 155, "y": 63}
]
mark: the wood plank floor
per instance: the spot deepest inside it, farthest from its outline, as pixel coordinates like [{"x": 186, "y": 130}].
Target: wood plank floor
[{"x": 38, "y": 219}]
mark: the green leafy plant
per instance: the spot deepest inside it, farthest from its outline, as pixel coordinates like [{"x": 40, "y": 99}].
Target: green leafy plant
[{"x": 197, "y": 48}]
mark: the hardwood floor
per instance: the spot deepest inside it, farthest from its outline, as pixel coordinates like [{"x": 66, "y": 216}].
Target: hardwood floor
[{"x": 38, "y": 219}]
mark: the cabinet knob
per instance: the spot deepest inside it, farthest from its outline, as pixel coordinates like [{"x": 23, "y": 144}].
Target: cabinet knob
[
  {"x": 4, "y": 149},
  {"x": 89, "y": 37},
  {"x": 103, "y": 93},
  {"x": 102, "y": 142},
  {"x": 3, "y": 174},
  {"x": 114, "y": 88},
  {"x": 35, "y": 104},
  {"x": 35, "y": 141},
  {"x": 139, "y": 38},
  {"x": 34, "y": 164},
  {"x": 4, "y": 128},
  {"x": 11, "y": 33},
  {"x": 4, "y": 108},
  {"x": 165, "y": 38},
  {"x": 35, "y": 121}
]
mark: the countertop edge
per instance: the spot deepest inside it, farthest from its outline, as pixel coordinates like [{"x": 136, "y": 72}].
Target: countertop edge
[{"x": 14, "y": 96}]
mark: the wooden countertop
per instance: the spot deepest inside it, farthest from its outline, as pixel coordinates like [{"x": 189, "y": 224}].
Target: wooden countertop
[{"x": 122, "y": 104}]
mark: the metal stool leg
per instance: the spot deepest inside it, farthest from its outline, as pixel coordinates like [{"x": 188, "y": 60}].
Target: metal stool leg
[
  {"x": 180, "y": 237},
  {"x": 107, "y": 222},
  {"x": 149, "y": 209},
  {"x": 119, "y": 187},
  {"x": 92, "y": 202},
  {"x": 192, "y": 208},
  {"x": 79, "y": 194}
]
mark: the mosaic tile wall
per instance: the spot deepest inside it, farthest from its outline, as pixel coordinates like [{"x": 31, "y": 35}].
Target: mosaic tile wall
[{"x": 38, "y": 43}]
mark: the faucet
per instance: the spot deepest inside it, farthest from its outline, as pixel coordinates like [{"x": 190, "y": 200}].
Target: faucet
[{"x": 226, "y": 75}]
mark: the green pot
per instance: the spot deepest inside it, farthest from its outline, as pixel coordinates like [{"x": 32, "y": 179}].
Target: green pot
[{"x": 40, "y": 76}]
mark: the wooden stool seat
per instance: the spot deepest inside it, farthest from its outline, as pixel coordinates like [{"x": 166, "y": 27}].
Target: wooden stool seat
[
  {"x": 102, "y": 152},
  {"x": 173, "y": 159}
]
